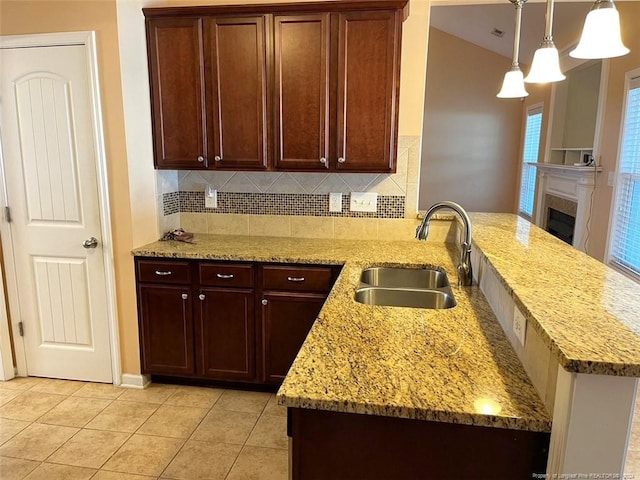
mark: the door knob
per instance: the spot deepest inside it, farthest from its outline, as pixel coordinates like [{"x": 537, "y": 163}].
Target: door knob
[
  {"x": 200, "y": 159},
  {"x": 90, "y": 243},
  {"x": 264, "y": 301},
  {"x": 341, "y": 159}
]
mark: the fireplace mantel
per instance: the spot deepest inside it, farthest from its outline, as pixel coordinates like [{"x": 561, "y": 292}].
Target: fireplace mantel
[
  {"x": 570, "y": 169},
  {"x": 570, "y": 182}
]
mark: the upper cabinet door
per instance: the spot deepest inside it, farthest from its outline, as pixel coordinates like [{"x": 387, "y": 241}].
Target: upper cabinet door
[
  {"x": 301, "y": 99},
  {"x": 368, "y": 85},
  {"x": 237, "y": 84},
  {"x": 176, "y": 72}
]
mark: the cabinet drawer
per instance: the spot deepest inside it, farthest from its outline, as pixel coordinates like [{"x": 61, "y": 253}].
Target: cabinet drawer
[
  {"x": 295, "y": 278},
  {"x": 226, "y": 275},
  {"x": 158, "y": 271}
]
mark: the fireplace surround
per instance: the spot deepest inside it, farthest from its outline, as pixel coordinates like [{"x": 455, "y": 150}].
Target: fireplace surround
[{"x": 566, "y": 189}]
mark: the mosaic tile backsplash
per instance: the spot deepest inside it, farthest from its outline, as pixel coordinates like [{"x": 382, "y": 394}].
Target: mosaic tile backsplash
[{"x": 277, "y": 204}]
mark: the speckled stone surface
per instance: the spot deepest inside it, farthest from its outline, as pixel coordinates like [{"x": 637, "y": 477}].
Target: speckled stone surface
[
  {"x": 451, "y": 365},
  {"x": 588, "y": 313}
]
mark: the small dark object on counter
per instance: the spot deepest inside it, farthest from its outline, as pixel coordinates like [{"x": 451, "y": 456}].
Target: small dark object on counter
[{"x": 178, "y": 234}]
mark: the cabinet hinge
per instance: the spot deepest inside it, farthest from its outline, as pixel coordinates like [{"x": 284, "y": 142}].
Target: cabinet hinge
[
  {"x": 7, "y": 214},
  {"x": 21, "y": 329}
]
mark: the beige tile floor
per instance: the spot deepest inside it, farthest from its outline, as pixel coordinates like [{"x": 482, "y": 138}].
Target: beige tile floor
[{"x": 58, "y": 429}]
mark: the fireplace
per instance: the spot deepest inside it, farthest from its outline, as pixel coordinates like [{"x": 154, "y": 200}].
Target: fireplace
[
  {"x": 564, "y": 199},
  {"x": 561, "y": 225}
]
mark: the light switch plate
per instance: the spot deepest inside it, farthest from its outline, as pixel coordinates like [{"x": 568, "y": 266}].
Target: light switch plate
[
  {"x": 519, "y": 325},
  {"x": 210, "y": 197},
  {"x": 363, "y": 202},
  {"x": 335, "y": 202}
]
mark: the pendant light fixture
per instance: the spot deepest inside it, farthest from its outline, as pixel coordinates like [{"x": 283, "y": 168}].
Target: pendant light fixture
[
  {"x": 601, "y": 33},
  {"x": 513, "y": 83},
  {"x": 545, "y": 67}
]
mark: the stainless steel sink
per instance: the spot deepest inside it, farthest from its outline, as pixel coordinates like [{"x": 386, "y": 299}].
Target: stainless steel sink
[
  {"x": 405, "y": 287},
  {"x": 405, "y": 297},
  {"x": 422, "y": 278}
]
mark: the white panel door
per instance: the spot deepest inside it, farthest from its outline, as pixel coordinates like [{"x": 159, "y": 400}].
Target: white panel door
[{"x": 50, "y": 170}]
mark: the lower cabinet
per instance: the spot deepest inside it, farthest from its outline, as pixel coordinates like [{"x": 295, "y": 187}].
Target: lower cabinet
[
  {"x": 166, "y": 329},
  {"x": 286, "y": 321},
  {"x": 292, "y": 296},
  {"x": 198, "y": 319},
  {"x": 226, "y": 336}
]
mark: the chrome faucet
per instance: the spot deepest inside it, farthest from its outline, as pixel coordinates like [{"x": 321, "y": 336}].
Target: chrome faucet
[{"x": 465, "y": 275}]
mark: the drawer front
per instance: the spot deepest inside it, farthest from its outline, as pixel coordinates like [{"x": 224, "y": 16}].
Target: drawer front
[
  {"x": 296, "y": 278},
  {"x": 226, "y": 274},
  {"x": 159, "y": 271}
]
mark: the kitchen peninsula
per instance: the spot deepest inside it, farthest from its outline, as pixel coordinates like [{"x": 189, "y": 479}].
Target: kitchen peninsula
[{"x": 456, "y": 367}]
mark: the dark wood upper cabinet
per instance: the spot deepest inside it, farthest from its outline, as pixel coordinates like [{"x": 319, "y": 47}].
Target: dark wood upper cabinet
[
  {"x": 176, "y": 76},
  {"x": 301, "y": 64},
  {"x": 368, "y": 85},
  {"x": 236, "y": 59},
  {"x": 288, "y": 87}
]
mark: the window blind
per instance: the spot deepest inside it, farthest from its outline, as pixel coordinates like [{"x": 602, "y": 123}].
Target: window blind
[
  {"x": 625, "y": 245},
  {"x": 530, "y": 154}
]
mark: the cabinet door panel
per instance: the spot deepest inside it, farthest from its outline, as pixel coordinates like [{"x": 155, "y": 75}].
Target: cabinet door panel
[
  {"x": 237, "y": 83},
  {"x": 166, "y": 329},
  {"x": 176, "y": 72},
  {"x": 286, "y": 321},
  {"x": 368, "y": 84},
  {"x": 301, "y": 62},
  {"x": 227, "y": 333}
]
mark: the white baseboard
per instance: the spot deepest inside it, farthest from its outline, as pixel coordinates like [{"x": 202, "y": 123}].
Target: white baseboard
[{"x": 131, "y": 380}]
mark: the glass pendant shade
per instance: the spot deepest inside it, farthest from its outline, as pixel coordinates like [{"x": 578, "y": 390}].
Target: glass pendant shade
[
  {"x": 601, "y": 34},
  {"x": 545, "y": 67},
  {"x": 513, "y": 85}
]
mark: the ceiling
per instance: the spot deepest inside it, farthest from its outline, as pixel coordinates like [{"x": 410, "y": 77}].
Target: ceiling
[{"x": 474, "y": 24}]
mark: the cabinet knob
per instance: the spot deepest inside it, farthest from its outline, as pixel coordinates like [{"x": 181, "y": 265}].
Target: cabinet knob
[
  {"x": 200, "y": 158},
  {"x": 341, "y": 159},
  {"x": 323, "y": 160},
  {"x": 201, "y": 296},
  {"x": 217, "y": 158},
  {"x": 265, "y": 301},
  {"x": 185, "y": 296}
]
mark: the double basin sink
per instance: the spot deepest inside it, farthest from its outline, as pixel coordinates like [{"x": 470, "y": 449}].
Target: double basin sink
[{"x": 405, "y": 287}]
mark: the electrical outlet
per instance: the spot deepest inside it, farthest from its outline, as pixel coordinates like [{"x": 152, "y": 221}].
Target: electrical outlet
[
  {"x": 363, "y": 202},
  {"x": 210, "y": 197},
  {"x": 335, "y": 202},
  {"x": 519, "y": 325}
]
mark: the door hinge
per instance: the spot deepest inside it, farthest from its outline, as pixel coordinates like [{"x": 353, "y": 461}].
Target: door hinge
[
  {"x": 7, "y": 214},
  {"x": 21, "y": 329}
]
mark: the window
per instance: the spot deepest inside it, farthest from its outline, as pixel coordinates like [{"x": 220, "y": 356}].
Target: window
[
  {"x": 625, "y": 241},
  {"x": 530, "y": 154}
]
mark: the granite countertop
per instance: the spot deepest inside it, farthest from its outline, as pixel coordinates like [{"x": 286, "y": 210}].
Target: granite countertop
[
  {"x": 586, "y": 312},
  {"x": 453, "y": 365}
]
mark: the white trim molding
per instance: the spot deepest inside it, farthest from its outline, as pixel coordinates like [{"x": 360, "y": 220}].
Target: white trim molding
[
  {"x": 134, "y": 380},
  {"x": 88, "y": 40}
]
